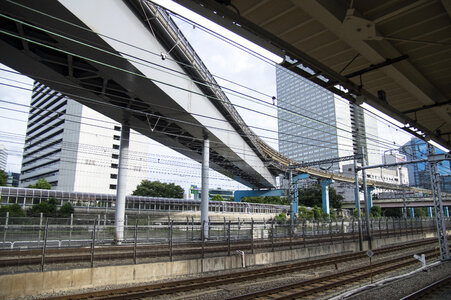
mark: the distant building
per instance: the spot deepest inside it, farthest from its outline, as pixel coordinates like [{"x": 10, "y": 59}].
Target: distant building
[
  {"x": 3, "y": 157},
  {"x": 76, "y": 148},
  {"x": 315, "y": 124},
  {"x": 419, "y": 176},
  {"x": 196, "y": 194},
  {"x": 13, "y": 179}
]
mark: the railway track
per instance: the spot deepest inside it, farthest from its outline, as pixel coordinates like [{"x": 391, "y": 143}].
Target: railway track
[
  {"x": 196, "y": 284},
  {"x": 432, "y": 291},
  {"x": 340, "y": 280},
  {"x": 14, "y": 258}
]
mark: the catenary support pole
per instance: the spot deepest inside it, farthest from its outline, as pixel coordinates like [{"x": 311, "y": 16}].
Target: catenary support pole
[
  {"x": 367, "y": 206},
  {"x": 438, "y": 207},
  {"x": 122, "y": 183},
  {"x": 205, "y": 177},
  {"x": 291, "y": 196},
  {"x": 357, "y": 206},
  {"x": 403, "y": 194}
]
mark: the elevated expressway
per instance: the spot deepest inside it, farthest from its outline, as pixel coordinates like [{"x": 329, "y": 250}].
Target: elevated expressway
[{"x": 152, "y": 78}]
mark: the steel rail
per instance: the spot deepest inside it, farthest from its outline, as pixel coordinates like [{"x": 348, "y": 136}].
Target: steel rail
[
  {"x": 217, "y": 280},
  {"x": 313, "y": 286}
]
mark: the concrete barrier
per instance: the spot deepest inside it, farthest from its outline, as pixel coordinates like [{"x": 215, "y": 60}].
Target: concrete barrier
[{"x": 40, "y": 283}]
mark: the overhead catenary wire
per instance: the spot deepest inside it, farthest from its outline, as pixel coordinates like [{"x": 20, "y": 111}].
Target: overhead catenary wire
[
  {"x": 260, "y": 128},
  {"x": 147, "y": 51}
]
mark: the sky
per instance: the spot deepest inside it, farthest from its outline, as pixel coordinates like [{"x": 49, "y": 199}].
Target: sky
[{"x": 221, "y": 58}]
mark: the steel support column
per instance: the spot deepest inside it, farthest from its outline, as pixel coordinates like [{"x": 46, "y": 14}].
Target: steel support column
[
  {"x": 438, "y": 208},
  {"x": 325, "y": 194},
  {"x": 412, "y": 212},
  {"x": 357, "y": 205},
  {"x": 122, "y": 183},
  {"x": 430, "y": 215},
  {"x": 205, "y": 187}
]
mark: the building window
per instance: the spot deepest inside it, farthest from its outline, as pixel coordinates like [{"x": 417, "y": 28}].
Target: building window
[
  {"x": 116, "y": 147},
  {"x": 116, "y": 137},
  {"x": 113, "y": 176},
  {"x": 115, "y": 156},
  {"x": 117, "y": 128},
  {"x": 114, "y": 166},
  {"x": 112, "y": 186}
]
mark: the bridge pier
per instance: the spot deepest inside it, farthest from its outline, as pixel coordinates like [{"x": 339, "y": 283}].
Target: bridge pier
[
  {"x": 412, "y": 212},
  {"x": 430, "y": 215},
  {"x": 325, "y": 194},
  {"x": 121, "y": 183},
  {"x": 204, "y": 183},
  {"x": 295, "y": 193}
]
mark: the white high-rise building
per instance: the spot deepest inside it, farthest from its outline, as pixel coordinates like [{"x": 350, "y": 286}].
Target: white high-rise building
[
  {"x": 314, "y": 124},
  {"x": 76, "y": 148},
  {"x": 3, "y": 157}
]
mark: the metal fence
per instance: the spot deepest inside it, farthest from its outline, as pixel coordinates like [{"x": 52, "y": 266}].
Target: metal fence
[
  {"x": 38, "y": 244},
  {"x": 29, "y": 233}
]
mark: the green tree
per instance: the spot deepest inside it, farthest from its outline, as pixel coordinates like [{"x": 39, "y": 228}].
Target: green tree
[
  {"x": 392, "y": 212},
  {"x": 336, "y": 201},
  {"x": 318, "y": 213},
  {"x": 47, "y": 207},
  {"x": 421, "y": 212},
  {"x": 158, "y": 189},
  {"x": 312, "y": 196},
  {"x": 267, "y": 200},
  {"x": 3, "y": 178},
  {"x": 305, "y": 213},
  {"x": 42, "y": 184},
  {"x": 217, "y": 198},
  {"x": 231, "y": 199},
  {"x": 281, "y": 218},
  {"x": 14, "y": 210},
  {"x": 333, "y": 214},
  {"x": 376, "y": 211},
  {"x": 66, "y": 210}
]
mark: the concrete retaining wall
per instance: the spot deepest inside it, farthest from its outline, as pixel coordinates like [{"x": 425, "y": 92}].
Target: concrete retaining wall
[{"x": 28, "y": 284}]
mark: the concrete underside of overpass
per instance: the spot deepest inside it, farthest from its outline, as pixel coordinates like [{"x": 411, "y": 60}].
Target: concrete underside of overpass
[{"x": 128, "y": 84}]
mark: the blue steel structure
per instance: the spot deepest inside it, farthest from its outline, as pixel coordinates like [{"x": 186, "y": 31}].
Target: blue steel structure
[
  {"x": 237, "y": 195},
  {"x": 416, "y": 149},
  {"x": 370, "y": 190},
  {"x": 325, "y": 194}
]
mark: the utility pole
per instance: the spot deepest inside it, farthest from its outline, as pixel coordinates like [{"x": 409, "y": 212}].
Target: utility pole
[{"x": 438, "y": 207}]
